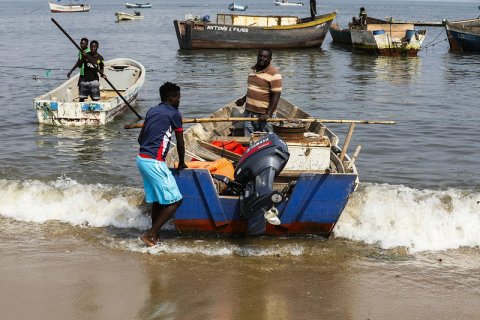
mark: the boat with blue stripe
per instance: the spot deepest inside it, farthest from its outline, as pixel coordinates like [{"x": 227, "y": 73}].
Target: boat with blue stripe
[
  {"x": 315, "y": 183},
  {"x": 464, "y": 35}
]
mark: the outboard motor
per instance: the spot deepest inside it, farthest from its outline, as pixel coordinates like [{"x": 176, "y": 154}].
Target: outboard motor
[
  {"x": 255, "y": 172},
  {"x": 254, "y": 176}
]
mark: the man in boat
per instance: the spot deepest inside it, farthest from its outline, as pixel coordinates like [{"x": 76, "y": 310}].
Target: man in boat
[
  {"x": 263, "y": 93},
  {"x": 313, "y": 9},
  {"x": 363, "y": 16},
  {"x": 90, "y": 85},
  {"x": 160, "y": 187},
  {"x": 79, "y": 63}
]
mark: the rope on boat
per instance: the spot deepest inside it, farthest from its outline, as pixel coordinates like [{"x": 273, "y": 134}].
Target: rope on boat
[{"x": 433, "y": 43}]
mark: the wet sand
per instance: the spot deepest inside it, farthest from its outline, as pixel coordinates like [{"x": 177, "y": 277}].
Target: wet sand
[{"x": 72, "y": 276}]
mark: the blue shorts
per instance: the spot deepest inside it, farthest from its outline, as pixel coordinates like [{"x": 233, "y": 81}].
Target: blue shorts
[{"x": 159, "y": 184}]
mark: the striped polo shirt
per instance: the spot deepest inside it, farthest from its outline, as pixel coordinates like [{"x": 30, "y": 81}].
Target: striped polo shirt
[{"x": 260, "y": 84}]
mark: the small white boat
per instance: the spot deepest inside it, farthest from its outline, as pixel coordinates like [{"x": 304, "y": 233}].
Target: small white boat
[
  {"x": 286, "y": 3},
  {"x": 138, "y": 5},
  {"x": 124, "y": 16},
  {"x": 54, "y": 7},
  {"x": 236, "y": 7},
  {"x": 61, "y": 106}
]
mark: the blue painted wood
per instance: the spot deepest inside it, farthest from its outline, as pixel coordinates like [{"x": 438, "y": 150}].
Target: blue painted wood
[
  {"x": 200, "y": 198},
  {"x": 318, "y": 198},
  {"x": 466, "y": 41}
]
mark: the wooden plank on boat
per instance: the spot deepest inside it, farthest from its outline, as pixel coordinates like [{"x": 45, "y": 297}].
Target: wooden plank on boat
[{"x": 220, "y": 151}]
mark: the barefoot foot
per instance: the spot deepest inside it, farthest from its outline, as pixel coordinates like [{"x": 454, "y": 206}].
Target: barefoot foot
[{"x": 150, "y": 242}]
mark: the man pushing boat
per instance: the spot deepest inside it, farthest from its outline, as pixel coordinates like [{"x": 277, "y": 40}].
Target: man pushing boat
[{"x": 161, "y": 190}]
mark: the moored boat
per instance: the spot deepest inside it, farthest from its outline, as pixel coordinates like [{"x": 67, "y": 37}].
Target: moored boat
[
  {"x": 124, "y": 16},
  {"x": 315, "y": 183},
  {"x": 232, "y": 31},
  {"x": 58, "y": 8},
  {"x": 138, "y": 5},
  {"x": 339, "y": 35},
  {"x": 61, "y": 106},
  {"x": 286, "y": 3},
  {"x": 387, "y": 39},
  {"x": 236, "y": 7},
  {"x": 464, "y": 35}
]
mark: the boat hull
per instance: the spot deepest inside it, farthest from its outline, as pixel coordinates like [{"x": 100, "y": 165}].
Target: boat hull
[
  {"x": 138, "y": 5},
  {"x": 314, "y": 207},
  {"x": 58, "y": 8},
  {"x": 378, "y": 40},
  {"x": 316, "y": 183},
  {"x": 200, "y": 35},
  {"x": 61, "y": 106},
  {"x": 123, "y": 16},
  {"x": 462, "y": 39},
  {"x": 340, "y": 36}
]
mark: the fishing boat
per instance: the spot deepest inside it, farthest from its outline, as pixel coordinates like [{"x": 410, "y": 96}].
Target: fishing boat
[
  {"x": 339, "y": 35},
  {"x": 315, "y": 184},
  {"x": 61, "y": 106},
  {"x": 286, "y": 3},
  {"x": 236, "y": 7},
  {"x": 58, "y": 8},
  {"x": 387, "y": 39},
  {"x": 138, "y": 5},
  {"x": 233, "y": 31},
  {"x": 124, "y": 16},
  {"x": 464, "y": 35}
]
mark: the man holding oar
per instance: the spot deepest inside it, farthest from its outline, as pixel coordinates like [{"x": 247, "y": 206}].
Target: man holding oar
[
  {"x": 90, "y": 85},
  {"x": 160, "y": 187},
  {"x": 263, "y": 93}
]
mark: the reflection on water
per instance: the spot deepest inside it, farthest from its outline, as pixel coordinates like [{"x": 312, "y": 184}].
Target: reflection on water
[{"x": 397, "y": 70}]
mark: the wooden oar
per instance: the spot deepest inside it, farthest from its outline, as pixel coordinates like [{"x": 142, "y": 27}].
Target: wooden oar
[
  {"x": 205, "y": 120},
  {"x": 98, "y": 70}
]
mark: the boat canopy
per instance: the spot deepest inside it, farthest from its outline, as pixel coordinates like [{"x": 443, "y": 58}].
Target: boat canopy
[{"x": 256, "y": 21}]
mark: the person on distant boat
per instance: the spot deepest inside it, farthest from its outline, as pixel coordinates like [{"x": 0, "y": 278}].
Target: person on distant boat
[
  {"x": 79, "y": 63},
  {"x": 363, "y": 16},
  {"x": 90, "y": 85},
  {"x": 313, "y": 9},
  {"x": 263, "y": 93},
  {"x": 161, "y": 190}
]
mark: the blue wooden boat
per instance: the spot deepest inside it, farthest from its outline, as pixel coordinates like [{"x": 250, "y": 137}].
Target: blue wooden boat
[
  {"x": 236, "y": 7},
  {"x": 317, "y": 180},
  {"x": 464, "y": 35}
]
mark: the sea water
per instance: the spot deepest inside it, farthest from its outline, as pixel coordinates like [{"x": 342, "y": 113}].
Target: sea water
[{"x": 72, "y": 198}]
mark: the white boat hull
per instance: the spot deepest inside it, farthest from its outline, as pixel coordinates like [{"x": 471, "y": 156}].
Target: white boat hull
[
  {"x": 69, "y": 8},
  {"x": 288, "y": 4},
  {"x": 62, "y": 107}
]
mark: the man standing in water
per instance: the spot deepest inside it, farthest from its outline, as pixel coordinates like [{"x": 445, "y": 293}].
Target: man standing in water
[
  {"x": 263, "y": 93},
  {"x": 160, "y": 187},
  {"x": 90, "y": 85}
]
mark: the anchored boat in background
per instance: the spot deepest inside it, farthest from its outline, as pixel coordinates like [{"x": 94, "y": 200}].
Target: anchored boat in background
[
  {"x": 61, "y": 106},
  {"x": 309, "y": 191},
  {"x": 464, "y": 35},
  {"x": 236, "y": 7},
  {"x": 138, "y": 5},
  {"x": 58, "y": 8},
  {"x": 387, "y": 39},
  {"x": 232, "y": 31},
  {"x": 125, "y": 16},
  {"x": 285, "y": 3}
]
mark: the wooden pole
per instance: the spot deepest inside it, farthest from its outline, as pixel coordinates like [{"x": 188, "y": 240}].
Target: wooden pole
[
  {"x": 206, "y": 120},
  {"x": 347, "y": 141}
]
